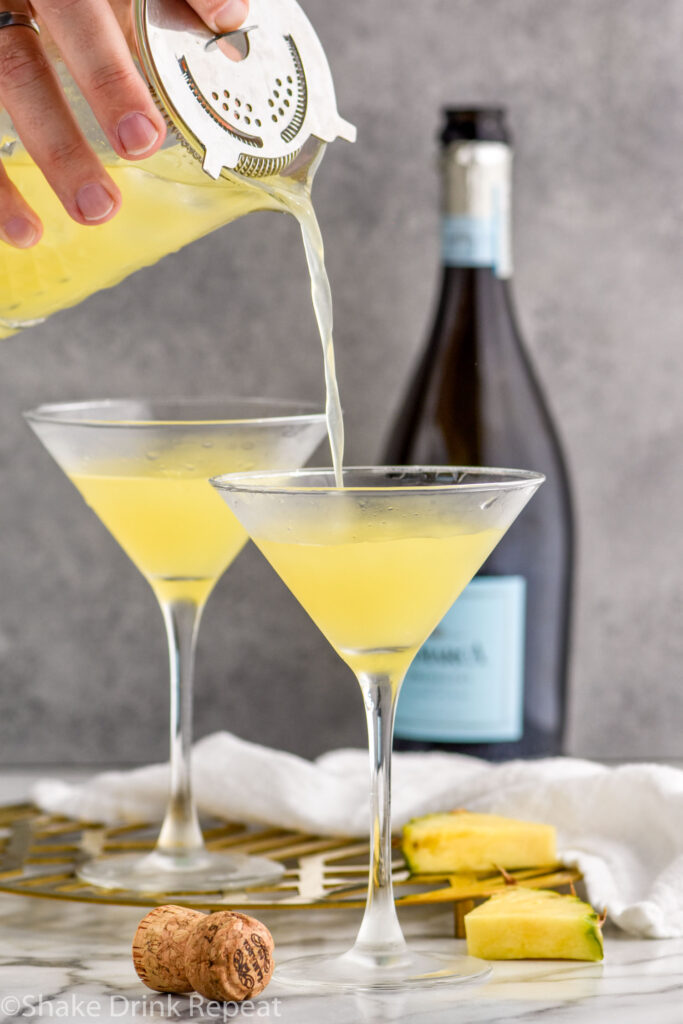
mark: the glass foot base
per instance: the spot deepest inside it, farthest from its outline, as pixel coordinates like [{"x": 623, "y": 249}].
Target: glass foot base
[
  {"x": 359, "y": 971},
  {"x": 160, "y": 873}
]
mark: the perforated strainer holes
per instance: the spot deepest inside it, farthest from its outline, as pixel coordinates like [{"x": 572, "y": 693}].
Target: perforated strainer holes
[
  {"x": 271, "y": 103},
  {"x": 237, "y": 102},
  {"x": 277, "y": 100}
]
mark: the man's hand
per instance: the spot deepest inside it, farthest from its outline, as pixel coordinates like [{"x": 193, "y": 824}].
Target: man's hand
[{"x": 93, "y": 46}]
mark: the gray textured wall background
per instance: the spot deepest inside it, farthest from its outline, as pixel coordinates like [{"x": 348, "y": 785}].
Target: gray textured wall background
[{"x": 595, "y": 89}]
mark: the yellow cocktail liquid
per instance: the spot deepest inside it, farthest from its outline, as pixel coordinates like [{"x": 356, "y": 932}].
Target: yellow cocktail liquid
[
  {"x": 173, "y": 526},
  {"x": 168, "y": 202},
  {"x": 377, "y": 600}
]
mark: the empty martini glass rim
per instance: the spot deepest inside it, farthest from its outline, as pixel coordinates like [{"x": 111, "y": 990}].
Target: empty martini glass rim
[
  {"x": 269, "y": 410},
  {"x": 271, "y": 482}
]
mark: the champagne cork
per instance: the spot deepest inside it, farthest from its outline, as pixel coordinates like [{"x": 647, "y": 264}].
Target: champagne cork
[
  {"x": 159, "y": 947},
  {"x": 229, "y": 956},
  {"x": 223, "y": 956}
]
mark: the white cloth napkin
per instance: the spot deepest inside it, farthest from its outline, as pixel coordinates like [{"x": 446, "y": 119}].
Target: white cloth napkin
[{"x": 622, "y": 827}]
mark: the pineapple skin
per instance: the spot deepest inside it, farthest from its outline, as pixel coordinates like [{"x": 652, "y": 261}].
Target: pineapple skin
[
  {"x": 466, "y": 841},
  {"x": 534, "y": 924}
]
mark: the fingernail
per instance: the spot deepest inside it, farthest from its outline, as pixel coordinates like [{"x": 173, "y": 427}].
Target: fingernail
[
  {"x": 94, "y": 201},
  {"x": 21, "y": 232},
  {"x": 231, "y": 15},
  {"x": 136, "y": 134}
]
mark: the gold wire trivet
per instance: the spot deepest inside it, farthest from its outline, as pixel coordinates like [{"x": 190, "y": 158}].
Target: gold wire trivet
[{"x": 40, "y": 854}]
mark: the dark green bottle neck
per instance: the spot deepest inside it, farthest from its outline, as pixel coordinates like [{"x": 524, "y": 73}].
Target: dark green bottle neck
[{"x": 477, "y": 286}]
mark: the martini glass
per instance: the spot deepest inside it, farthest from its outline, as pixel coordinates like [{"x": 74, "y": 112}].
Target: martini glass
[
  {"x": 143, "y": 467},
  {"x": 376, "y": 564}
]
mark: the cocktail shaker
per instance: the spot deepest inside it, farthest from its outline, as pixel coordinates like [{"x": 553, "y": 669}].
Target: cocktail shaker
[{"x": 246, "y": 110}]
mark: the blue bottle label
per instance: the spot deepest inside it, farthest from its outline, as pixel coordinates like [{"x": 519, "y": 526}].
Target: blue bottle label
[
  {"x": 466, "y": 684},
  {"x": 468, "y": 241}
]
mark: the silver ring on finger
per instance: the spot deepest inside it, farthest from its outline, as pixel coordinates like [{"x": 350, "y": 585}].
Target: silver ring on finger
[{"x": 10, "y": 19}]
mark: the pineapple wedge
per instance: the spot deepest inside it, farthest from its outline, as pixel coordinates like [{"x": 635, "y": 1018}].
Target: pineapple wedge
[
  {"x": 523, "y": 924},
  {"x": 465, "y": 841}
]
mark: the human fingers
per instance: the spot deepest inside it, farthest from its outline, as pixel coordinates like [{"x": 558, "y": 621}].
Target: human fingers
[
  {"x": 33, "y": 97},
  {"x": 19, "y": 226},
  {"x": 221, "y": 15},
  {"x": 93, "y": 46}
]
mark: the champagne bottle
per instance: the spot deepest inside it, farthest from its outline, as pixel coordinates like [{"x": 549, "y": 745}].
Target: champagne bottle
[{"x": 491, "y": 680}]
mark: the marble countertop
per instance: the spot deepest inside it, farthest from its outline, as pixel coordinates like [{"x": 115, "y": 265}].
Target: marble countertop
[{"x": 71, "y": 962}]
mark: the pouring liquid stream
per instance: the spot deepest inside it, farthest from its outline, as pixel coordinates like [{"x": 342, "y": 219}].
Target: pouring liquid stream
[
  {"x": 297, "y": 200},
  {"x": 322, "y": 304}
]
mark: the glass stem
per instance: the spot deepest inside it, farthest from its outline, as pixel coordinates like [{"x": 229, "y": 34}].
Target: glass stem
[
  {"x": 180, "y": 834},
  {"x": 380, "y": 934}
]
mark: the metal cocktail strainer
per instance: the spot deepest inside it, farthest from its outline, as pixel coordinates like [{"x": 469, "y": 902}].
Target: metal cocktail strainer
[{"x": 252, "y": 114}]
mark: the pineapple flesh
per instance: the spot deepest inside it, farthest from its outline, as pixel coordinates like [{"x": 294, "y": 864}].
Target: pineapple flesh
[
  {"x": 523, "y": 924},
  {"x": 465, "y": 841}
]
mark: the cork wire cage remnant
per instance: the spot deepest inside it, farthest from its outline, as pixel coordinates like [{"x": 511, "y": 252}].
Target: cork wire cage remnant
[{"x": 39, "y": 855}]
